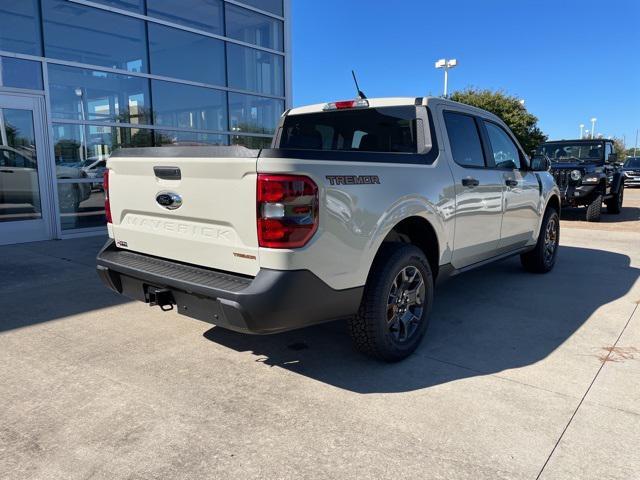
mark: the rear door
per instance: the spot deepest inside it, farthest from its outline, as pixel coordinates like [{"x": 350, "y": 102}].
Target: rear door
[
  {"x": 522, "y": 190},
  {"x": 191, "y": 204},
  {"x": 478, "y": 191}
]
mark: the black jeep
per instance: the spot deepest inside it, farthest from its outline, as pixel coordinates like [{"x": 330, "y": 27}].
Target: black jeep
[{"x": 587, "y": 174}]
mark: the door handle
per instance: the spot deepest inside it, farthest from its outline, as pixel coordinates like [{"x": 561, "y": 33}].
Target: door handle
[
  {"x": 511, "y": 183},
  {"x": 470, "y": 182}
]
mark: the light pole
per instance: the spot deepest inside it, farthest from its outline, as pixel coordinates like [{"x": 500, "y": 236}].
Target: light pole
[
  {"x": 586, "y": 134},
  {"x": 581, "y": 131},
  {"x": 593, "y": 126},
  {"x": 446, "y": 65}
]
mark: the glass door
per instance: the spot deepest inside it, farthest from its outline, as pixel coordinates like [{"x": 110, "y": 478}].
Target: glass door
[{"x": 25, "y": 205}]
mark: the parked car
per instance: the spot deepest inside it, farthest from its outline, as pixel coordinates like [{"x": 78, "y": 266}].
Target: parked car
[
  {"x": 361, "y": 206},
  {"x": 631, "y": 171},
  {"x": 587, "y": 174},
  {"x": 95, "y": 168},
  {"x": 19, "y": 180}
]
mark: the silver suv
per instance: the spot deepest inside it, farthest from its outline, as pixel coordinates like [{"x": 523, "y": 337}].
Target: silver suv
[{"x": 355, "y": 211}]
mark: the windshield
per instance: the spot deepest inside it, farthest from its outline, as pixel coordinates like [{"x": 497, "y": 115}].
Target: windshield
[
  {"x": 584, "y": 152},
  {"x": 632, "y": 163},
  {"x": 387, "y": 129}
]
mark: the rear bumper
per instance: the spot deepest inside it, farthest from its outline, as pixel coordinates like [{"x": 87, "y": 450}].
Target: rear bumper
[{"x": 273, "y": 301}]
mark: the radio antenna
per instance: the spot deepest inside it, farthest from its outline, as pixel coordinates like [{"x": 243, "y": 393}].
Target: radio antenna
[{"x": 361, "y": 94}]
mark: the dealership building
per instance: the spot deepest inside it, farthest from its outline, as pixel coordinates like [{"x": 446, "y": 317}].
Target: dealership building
[{"x": 79, "y": 79}]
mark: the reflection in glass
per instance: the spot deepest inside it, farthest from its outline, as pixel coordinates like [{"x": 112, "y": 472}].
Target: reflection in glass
[
  {"x": 180, "y": 54},
  {"x": 80, "y": 148},
  {"x": 80, "y": 94},
  {"x": 251, "y": 142},
  {"x": 273, "y": 6},
  {"x": 81, "y": 205},
  {"x": 201, "y": 14},
  {"x": 186, "y": 106},
  {"x": 89, "y": 35},
  {"x": 19, "y": 190},
  {"x": 166, "y": 137},
  {"x": 19, "y": 73},
  {"x": 20, "y": 27},
  {"x": 133, "y": 5},
  {"x": 252, "y": 27},
  {"x": 254, "y": 70},
  {"x": 248, "y": 113}
]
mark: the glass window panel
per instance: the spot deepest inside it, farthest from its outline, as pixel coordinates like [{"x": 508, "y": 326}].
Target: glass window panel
[
  {"x": 20, "y": 73},
  {"x": 251, "y": 114},
  {"x": 251, "y": 142},
  {"x": 464, "y": 139},
  {"x": 19, "y": 189},
  {"x": 133, "y": 5},
  {"x": 186, "y": 106},
  {"x": 167, "y": 137},
  {"x": 81, "y": 205},
  {"x": 80, "y": 94},
  {"x": 273, "y": 6},
  {"x": 252, "y": 27},
  {"x": 255, "y": 70},
  {"x": 81, "y": 148},
  {"x": 89, "y": 35},
  {"x": 201, "y": 14},
  {"x": 505, "y": 152},
  {"x": 180, "y": 54},
  {"x": 20, "y": 27}
]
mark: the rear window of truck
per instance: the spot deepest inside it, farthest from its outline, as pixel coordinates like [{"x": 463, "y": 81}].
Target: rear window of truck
[{"x": 384, "y": 130}]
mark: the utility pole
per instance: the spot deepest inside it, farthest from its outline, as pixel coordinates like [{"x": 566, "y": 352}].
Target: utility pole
[
  {"x": 581, "y": 131},
  {"x": 635, "y": 148}
]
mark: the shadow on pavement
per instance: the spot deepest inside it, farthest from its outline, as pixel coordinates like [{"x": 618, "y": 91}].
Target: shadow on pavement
[
  {"x": 628, "y": 214},
  {"x": 486, "y": 321}
]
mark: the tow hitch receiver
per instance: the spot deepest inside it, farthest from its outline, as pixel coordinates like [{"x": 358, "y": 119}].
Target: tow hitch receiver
[{"x": 161, "y": 297}]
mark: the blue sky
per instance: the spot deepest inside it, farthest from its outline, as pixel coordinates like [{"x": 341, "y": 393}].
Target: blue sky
[{"x": 569, "y": 60}]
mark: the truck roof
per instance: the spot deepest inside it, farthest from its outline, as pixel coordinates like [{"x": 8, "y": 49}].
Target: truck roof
[
  {"x": 390, "y": 102},
  {"x": 579, "y": 140}
]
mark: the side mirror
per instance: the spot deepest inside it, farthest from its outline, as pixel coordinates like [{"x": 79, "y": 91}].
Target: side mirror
[
  {"x": 540, "y": 163},
  {"x": 613, "y": 158}
]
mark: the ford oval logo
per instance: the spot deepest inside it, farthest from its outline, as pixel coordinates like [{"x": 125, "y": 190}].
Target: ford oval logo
[{"x": 169, "y": 200}]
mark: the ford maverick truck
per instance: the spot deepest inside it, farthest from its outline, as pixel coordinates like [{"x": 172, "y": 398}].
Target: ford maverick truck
[{"x": 355, "y": 212}]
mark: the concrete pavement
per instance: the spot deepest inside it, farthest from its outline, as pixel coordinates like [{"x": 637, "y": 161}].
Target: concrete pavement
[{"x": 520, "y": 377}]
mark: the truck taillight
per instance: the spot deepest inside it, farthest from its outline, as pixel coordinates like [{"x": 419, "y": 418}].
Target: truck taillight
[
  {"x": 287, "y": 210},
  {"x": 107, "y": 204}
]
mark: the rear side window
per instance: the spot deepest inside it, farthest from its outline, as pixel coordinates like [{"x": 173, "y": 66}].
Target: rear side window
[
  {"x": 464, "y": 139},
  {"x": 387, "y": 130}
]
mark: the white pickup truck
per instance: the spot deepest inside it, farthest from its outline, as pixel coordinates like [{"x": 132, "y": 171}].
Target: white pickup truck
[{"x": 355, "y": 211}]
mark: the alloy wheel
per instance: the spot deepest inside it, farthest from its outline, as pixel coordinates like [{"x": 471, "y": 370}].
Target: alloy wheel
[{"x": 405, "y": 304}]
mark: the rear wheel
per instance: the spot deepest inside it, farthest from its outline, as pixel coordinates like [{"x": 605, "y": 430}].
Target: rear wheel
[
  {"x": 614, "y": 204},
  {"x": 394, "y": 312},
  {"x": 594, "y": 210},
  {"x": 543, "y": 257}
]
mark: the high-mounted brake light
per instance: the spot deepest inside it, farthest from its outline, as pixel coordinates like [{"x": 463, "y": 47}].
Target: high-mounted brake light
[
  {"x": 287, "y": 210},
  {"x": 358, "y": 103},
  {"x": 107, "y": 203}
]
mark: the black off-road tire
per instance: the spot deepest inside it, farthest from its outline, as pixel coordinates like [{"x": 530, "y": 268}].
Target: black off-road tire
[
  {"x": 614, "y": 204},
  {"x": 369, "y": 329},
  {"x": 536, "y": 260},
  {"x": 594, "y": 210}
]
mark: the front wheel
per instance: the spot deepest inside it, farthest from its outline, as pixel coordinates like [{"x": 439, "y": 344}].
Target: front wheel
[
  {"x": 614, "y": 204},
  {"x": 543, "y": 257},
  {"x": 594, "y": 209},
  {"x": 394, "y": 312}
]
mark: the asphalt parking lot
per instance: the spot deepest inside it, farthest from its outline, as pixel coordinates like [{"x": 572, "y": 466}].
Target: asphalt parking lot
[{"x": 521, "y": 377}]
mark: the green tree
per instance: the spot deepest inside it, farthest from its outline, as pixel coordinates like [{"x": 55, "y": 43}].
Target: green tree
[{"x": 523, "y": 124}]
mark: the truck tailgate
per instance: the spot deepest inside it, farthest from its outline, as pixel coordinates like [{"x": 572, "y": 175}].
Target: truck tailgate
[{"x": 215, "y": 225}]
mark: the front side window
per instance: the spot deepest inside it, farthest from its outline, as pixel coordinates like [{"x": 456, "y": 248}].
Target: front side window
[
  {"x": 505, "y": 152},
  {"x": 464, "y": 139},
  {"x": 387, "y": 130}
]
